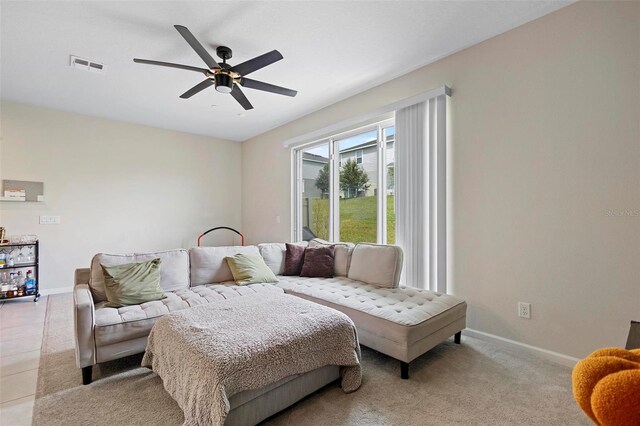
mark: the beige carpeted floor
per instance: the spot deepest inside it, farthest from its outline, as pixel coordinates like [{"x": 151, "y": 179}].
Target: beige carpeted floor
[{"x": 473, "y": 383}]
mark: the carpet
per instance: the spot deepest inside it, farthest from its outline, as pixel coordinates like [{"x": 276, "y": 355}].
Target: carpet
[{"x": 475, "y": 383}]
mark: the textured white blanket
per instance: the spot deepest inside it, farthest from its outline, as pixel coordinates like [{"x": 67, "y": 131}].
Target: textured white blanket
[{"x": 206, "y": 354}]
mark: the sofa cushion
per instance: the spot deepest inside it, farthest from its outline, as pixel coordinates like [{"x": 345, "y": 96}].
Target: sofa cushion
[
  {"x": 342, "y": 255},
  {"x": 274, "y": 255},
  {"x": 115, "y": 325},
  {"x": 174, "y": 272},
  {"x": 208, "y": 264},
  {"x": 376, "y": 264}
]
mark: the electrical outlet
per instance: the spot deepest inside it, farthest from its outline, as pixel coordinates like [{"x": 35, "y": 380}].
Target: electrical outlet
[
  {"x": 49, "y": 220},
  {"x": 524, "y": 310}
]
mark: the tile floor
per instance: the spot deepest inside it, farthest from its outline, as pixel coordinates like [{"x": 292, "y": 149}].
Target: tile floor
[{"x": 21, "y": 327}]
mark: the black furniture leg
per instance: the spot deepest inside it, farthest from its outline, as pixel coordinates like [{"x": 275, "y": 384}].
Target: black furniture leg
[
  {"x": 86, "y": 375},
  {"x": 457, "y": 336},
  {"x": 404, "y": 370}
]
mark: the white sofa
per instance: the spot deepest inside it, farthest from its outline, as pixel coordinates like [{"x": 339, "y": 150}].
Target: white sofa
[{"x": 402, "y": 322}]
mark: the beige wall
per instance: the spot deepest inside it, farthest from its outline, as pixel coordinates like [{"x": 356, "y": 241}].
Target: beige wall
[
  {"x": 545, "y": 140},
  {"x": 117, "y": 187}
]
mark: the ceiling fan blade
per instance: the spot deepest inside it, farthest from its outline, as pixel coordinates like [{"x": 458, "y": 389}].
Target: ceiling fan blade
[
  {"x": 195, "y": 45},
  {"x": 197, "y": 88},
  {"x": 266, "y": 87},
  {"x": 256, "y": 63},
  {"x": 240, "y": 97},
  {"x": 169, "y": 64}
]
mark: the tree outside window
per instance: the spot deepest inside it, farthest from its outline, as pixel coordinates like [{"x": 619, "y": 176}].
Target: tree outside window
[
  {"x": 322, "y": 181},
  {"x": 354, "y": 181}
]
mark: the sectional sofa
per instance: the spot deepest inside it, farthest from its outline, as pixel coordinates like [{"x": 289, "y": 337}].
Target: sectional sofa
[{"x": 402, "y": 322}]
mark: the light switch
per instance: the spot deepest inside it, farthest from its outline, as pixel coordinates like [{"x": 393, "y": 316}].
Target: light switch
[{"x": 49, "y": 220}]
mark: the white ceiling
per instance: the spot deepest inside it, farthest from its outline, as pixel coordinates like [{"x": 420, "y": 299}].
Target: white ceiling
[{"x": 332, "y": 50}]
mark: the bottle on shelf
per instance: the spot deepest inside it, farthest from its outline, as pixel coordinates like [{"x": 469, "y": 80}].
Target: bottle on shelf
[
  {"x": 11, "y": 292},
  {"x": 30, "y": 283},
  {"x": 20, "y": 284},
  {"x": 4, "y": 284},
  {"x": 3, "y": 259},
  {"x": 10, "y": 261}
]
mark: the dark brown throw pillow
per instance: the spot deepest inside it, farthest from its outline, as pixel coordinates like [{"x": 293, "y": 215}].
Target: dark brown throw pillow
[
  {"x": 293, "y": 259},
  {"x": 319, "y": 262}
]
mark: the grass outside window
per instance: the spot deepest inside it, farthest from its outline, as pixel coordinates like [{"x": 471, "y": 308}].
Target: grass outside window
[{"x": 358, "y": 219}]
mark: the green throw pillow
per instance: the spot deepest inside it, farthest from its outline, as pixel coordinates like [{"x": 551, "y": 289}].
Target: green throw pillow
[
  {"x": 132, "y": 283},
  {"x": 250, "y": 269}
]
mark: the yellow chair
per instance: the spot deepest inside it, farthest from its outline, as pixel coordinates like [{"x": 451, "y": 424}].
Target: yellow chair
[{"x": 606, "y": 385}]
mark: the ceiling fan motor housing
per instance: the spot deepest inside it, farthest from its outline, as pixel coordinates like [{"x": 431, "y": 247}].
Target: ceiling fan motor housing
[{"x": 224, "y": 83}]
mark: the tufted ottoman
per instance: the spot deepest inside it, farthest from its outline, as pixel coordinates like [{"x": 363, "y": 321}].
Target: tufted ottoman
[{"x": 401, "y": 322}]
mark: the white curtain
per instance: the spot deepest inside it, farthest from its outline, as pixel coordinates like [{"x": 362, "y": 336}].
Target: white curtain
[{"x": 421, "y": 193}]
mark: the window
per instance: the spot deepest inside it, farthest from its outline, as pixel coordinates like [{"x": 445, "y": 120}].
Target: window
[
  {"x": 345, "y": 187},
  {"x": 358, "y": 194}
]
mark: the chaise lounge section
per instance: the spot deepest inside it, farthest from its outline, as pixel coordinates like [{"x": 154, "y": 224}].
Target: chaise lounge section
[{"x": 402, "y": 322}]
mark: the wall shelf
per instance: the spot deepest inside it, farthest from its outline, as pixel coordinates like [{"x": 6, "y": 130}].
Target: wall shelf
[
  {"x": 33, "y": 191},
  {"x": 21, "y": 200}
]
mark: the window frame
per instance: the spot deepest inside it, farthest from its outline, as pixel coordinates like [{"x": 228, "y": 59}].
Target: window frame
[{"x": 334, "y": 180}]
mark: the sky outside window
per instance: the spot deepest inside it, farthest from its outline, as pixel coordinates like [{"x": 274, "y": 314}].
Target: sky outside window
[{"x": 346, "y": 143}]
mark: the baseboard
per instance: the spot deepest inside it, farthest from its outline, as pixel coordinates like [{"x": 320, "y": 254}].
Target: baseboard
[
  {"x": 555, "y": 357},
  {"x": 57, "y": 290}
]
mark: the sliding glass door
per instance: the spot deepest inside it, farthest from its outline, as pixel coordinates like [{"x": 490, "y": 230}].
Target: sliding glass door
[{"x": 344, "y": 187}]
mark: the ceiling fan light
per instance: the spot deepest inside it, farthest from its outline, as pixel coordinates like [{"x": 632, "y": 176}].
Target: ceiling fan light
[{"x": 224, "y": 83}]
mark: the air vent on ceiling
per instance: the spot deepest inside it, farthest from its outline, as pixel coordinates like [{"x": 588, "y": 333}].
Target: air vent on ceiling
[{"x": 87, "y": 65}]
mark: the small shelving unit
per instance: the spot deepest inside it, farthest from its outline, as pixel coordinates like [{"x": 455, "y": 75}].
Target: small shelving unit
[{"x": 33, "y": 263}]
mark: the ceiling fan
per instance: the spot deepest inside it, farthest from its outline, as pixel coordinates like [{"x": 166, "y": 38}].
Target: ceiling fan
[{"x": 224, "y": 77}]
